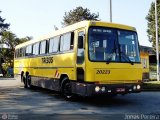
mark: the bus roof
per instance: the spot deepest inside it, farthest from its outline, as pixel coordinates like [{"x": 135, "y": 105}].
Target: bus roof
[{"x": 74, "y": 27}]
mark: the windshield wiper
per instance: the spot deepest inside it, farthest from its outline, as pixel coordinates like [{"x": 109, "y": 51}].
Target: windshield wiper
[
  {"x": 112, "y": 53},
  {"x": 126, "y": 58},
  {"x": 109, "y": 59}
]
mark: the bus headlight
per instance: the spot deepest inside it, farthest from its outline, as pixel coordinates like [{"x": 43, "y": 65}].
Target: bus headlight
[
  {"x": 97, "y": 88},
  {"x": 138, "y": 87}
]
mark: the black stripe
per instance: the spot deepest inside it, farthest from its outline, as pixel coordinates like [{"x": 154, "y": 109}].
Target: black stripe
[
  {"x": 44, "y": 67},
  {"x": 45, "y": 55}
]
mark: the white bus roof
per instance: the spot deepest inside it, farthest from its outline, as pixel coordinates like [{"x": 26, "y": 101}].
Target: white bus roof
[{"x": 74, "y": 27}]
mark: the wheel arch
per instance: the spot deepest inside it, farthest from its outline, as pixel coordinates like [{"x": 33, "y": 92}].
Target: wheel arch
[
  {"x": 62, "y": 78},
  {"x": 27, "y": 73}
]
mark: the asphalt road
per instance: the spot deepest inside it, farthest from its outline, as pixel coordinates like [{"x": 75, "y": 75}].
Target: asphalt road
[{"x": 17, "y": 102}]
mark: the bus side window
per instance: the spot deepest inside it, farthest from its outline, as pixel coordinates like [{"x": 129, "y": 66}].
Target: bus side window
[
  {"x": 21, "y": 52},
  {"x": 54, "y": 44},
  {"x": 80, "y": 41},
  {"x": 43, "y": 47},
  {"x": 51, "y": 45},
  {"x": 61, "y": 42},
  {"x": 36, "y": 48},
  {"x": 72, "y": 41},
  {"x": 16, "y": 53},
  {"x": 80, "y": 51},
  {"x": 66, "y": 42},
  {"x": 28, "y": 50}
]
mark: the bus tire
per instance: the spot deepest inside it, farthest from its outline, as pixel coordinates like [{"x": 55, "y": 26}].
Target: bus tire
[
  {"x": 28, "y": 81},
  {"x": 25, "y": 82},
  {"x": 22, "y": 73},
  {"x": 66, "y": 89}
]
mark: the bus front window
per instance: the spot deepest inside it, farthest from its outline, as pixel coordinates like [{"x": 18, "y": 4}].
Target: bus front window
[
  {"x": 103, "y": 44},
  {"x": 112, "y": 45},
  {"x": 128, "y": 46}
]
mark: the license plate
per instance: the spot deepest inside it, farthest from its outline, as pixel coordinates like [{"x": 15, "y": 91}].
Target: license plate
[{"x": 120, "y": 89}]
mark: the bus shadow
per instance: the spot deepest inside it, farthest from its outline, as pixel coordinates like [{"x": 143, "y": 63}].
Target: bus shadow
[
  {"x": 106, "y": 101},
  {"x": 39, "y": 100},
  {"x": 99, "y": 101}
]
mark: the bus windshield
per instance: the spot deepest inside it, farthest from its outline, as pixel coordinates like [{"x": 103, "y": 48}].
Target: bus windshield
[{"x": 113, "y": 45}]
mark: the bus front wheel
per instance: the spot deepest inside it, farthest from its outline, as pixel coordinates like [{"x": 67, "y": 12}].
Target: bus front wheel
[{"x": 66, "y": 89}]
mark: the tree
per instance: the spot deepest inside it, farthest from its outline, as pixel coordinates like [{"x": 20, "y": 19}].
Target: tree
[
  {"x": 10, "y": 40},
  {"x": 3, "y": 26},
  {"x": 77, "y": 15},
  {"x": 151, "y": 23}
]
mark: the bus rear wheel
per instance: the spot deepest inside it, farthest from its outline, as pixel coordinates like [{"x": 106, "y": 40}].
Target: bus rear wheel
[
  {"x": 24, "y": 81},
  {"x": 27, "y": 81},
  {"x": 67, "y": 89}
]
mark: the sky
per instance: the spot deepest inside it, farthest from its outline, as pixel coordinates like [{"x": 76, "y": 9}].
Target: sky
[{"x": 38, "y": 17}]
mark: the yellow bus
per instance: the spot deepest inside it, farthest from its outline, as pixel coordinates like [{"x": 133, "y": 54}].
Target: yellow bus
[{"x": 88, "y": 58}]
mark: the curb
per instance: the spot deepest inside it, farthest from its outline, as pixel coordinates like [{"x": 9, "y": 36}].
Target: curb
[
  {"x": 151, "y": 86},
  {"x": 154, "y": 88},
  {"x": 150, "y": 90},
  {"x": 7, "y": 78}
]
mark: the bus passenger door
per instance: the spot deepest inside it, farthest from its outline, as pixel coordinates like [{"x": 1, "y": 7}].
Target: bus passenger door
[{"x": 80, "y": 56}]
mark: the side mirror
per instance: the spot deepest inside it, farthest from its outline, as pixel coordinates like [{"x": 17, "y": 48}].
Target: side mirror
[{"x": 80, "y": 41}]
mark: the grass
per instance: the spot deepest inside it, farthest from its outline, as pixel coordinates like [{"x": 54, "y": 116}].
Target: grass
[
  {"x": 152, "y": 85},
  {"x": 152, "y": 67}
]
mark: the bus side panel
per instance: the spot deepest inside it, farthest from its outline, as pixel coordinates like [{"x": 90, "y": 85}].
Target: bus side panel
[{"x": 47, "y": 75}]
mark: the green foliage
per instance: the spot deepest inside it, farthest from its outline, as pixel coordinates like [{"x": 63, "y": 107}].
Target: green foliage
[
  {"x": 152, "y": 67},
  {"x": 151, "y": 85},
  {"x": 151, "y": 23},
  {"x": 3, "y": 26},
  {"x": 5, "y": 67},
  {"x": 11, "y": 41},
  {"x": 77, "y": 15}
]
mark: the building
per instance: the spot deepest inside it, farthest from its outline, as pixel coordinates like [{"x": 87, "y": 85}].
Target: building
[{"x": 145, "y": 54}]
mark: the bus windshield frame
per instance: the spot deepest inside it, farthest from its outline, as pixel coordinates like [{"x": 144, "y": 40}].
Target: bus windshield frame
[{"x": 112, "y": 45}]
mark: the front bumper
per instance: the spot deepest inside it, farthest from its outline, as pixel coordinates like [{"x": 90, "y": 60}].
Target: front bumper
[{"x": 91, "y": 89}]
